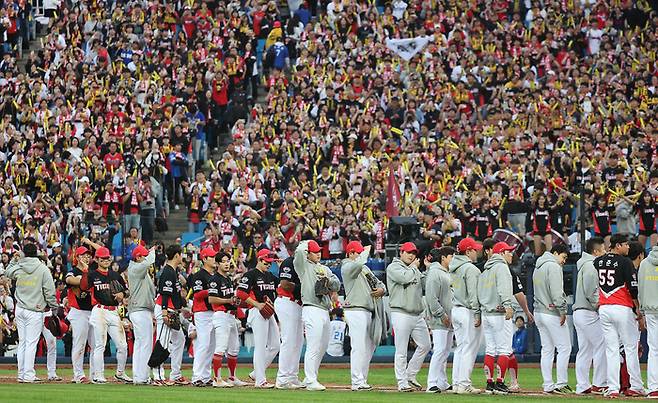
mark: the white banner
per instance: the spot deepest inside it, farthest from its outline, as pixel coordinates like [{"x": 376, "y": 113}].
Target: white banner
[{"x": 408, "y": 48}]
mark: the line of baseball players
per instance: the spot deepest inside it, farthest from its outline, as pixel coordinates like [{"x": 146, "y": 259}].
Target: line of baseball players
[{"x": 452, "y": 297}]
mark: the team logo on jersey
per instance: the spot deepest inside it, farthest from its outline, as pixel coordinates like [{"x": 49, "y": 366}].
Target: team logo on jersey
[{"x": 168, "y": 283}]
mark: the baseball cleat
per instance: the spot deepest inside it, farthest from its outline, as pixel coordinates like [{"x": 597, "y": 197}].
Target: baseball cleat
[
  {"x": 653, "y": 395},
  {"x": 265, "y": 385},
  {"x": 587, "y": 391},
  {"x": 514, "y": 388},
  {"x": 180, "y": 381},
  {"x": 123, "y": 378},
  {"x": 414, "y": 383},
  {"x": 54, "y": 379},
  {"x": 199, "y": 384},
  {"x": 252, "y": 376},
  {"x": 634, "y": 393},
  {"x": 359, "y": 388},
  {"x": 297, "y": 384},
  {"x": 598, "y": 390},
  {"x": 405, "y": 388},
  {"x": 490, "y": 388},
  {"x": 98, "y": 381},
  {"x": 80, "y": 380},
  {"x": 433, "y": 389},
  {"x": 468, "y": 390},
  {"x": 220, "y": 383},
  {"x": 237, "y": 382},
  {"x": 500, "y": 388},
  {"x": 611, "y": 395},
  {"x": 449, "y": 389},
  {"x": 315, "y": 387}
]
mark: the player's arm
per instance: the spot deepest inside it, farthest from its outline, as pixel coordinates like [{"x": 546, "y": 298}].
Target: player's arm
[
  {"x": 504, "y": 290},
  {"x": 471, "y": 277},
  {"x": 72, "y": 279},
  {"x": 214, "y": 298},
  {"x": 591, "y": 286},
  {"x": 244, "y": 293},
  {"x": 432, "y": 293},
  {"x": 399, "y": 274},
  {"x": 299, "y": 261},
  {"x": 630, "y": 279}
]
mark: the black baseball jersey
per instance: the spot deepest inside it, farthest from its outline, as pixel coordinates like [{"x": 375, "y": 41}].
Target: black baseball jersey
[
  {"x": 169, "y": 289},
  {"x": 287, "y": 272},
  {"x": 221, "y": 287},
  {"x": 81, "y": 301},
  {"x": 258, "y": 285},
  {"x": 617, "y": 280},
  {"x": 200, "y": 283},
  {"x": 517, "y": 285},
  {"x": 99, "y": 283}
]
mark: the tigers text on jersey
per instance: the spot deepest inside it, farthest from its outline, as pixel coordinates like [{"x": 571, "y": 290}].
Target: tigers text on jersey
[
  {"x": 617, "y": 280},
  {"x": 258, "y": 285},
  {"x": 221, "y": 287},
  {"x": 99, "y": 282}
]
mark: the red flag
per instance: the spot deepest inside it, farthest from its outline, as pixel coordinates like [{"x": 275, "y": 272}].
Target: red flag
[{"x": 392, "y": 196}]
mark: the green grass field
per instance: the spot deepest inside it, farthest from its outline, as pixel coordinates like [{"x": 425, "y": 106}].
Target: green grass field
[{"x": 530, "y": 379}]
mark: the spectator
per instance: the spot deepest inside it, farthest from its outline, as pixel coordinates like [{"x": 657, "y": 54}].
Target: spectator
[{"x": 520, "y": 342}]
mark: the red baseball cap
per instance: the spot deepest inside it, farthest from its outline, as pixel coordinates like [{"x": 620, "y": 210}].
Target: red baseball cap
[
  {"x": 313, "y": 247},
  {"x": 102, "y": 252},
  {"x": 408, "y": 247},
  {"x": 354, "y": 246},
  {"x": 502, "y": 247},
  {"x": 277, "y": 24},
  {"x": 140, "y": 251},
  {"x": 207, "y": 252},
  {"x": 266, "y": 255},
  {"x": 81, "y": 250},
  {"x": 468, "y": 243}
]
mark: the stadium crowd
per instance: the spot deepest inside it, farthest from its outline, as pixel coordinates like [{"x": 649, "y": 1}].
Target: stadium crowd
[{"x": 510, "y": 109}]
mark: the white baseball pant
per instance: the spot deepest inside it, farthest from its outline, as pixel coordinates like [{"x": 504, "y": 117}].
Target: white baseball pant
[
  {"x": 318, "y": 330},
  {"x": 292, "y": 339},
  {"x": 105, "y": 321},
  {"x": 404, "y": 327},
  {"x": 266, "y": 343},
  {"x": 620, "y": 328},
  {"x": 176, "y": 347},
  {"x": 142, "y": 322},
  {"x": 591, "y": 347},
  {"x": 51, "y": 352},
  {"x": 203, "y": 346},
  {"x": 226, "y": 334},
  {"x": 442, "y": 342},
  {"x": 553, "y": 336},
  {"x": 29, "y": 325},
  {"x": 358, "y": 322},
  {"x": 82, "y": 333},
  {"x": 468, "y": 339},
  {"x": 652, "y": 360},
  {"x": 498, "y": 334}
]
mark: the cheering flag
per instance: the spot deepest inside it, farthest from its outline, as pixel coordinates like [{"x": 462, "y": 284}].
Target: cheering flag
[
  {"x": 407, "y": 48},
  {"x": 392, "y": 196}
]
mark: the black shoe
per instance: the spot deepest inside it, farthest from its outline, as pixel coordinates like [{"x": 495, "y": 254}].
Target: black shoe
[
  {"x": 448, "y": 390},
  {"x": 433, "y": 389},
  {"x": 491, "y": 387},
  {"x": 199, "y": 384},
  {"x": 500, "y": 388}
]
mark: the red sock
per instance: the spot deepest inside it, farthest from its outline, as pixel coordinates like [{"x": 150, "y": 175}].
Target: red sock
[
  {"x": 503, "y": 363},
  {"x": 513, "y": 368},
  {"x": 217, "y": 364},
  {"x": 489, "y": 367},
  {"x": 232, "y": 364}
]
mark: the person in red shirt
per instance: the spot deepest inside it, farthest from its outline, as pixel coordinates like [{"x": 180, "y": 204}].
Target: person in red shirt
[
  {"x": 113, "y": 159},
  {"x": 203, "y": 314}
]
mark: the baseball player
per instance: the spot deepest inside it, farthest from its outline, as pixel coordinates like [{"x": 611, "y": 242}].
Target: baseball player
[
  {"x": 140, "y": 310},
  {"x": 51, "y": 351},
  {"x": 257, "y": 288},
  {"x": 438, "y": 300},
  {"x": 405, "y": 285},
  {"x": 167, "y": 308},
  {"x": 362, "y": 289},
  {"x": 465, "y": 315},
  {"x": 35, "y": 292},
  {"x": 318, "y": 282},
  {"x": 551, "y": 317},
  {"x": 224, "y": 302},
  {"x": 79, "y": 313},
  {"x": 495, "y": 296},
  {"x": 620, "y": 315},
  {"x": 517, "y": 290},
  {"x": 587, "y": 323},
  {"x": 203, "y": 314},
  {"x": 288, "y": 307},
  {"x": 648, "y": 298},
  {"x": 107, "y": 291}
]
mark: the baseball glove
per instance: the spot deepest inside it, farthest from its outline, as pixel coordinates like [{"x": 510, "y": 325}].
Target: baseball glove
[
  {"x": 52, "y": 324},
  {"x": 116, "y": 287},
  {"x": 174, "y": 320},
  {"x": 322, "y": 287},
  {"x": 267, "y": 310}
]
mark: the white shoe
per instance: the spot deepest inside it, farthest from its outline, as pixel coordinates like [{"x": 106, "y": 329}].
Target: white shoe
[
  {"x": 514, "y": 387},
  {"x": 176, "y": 207},
  {"x": 123, "y": 378},
  {"x": 298, "y": 384},
  {"x": 220, "y": 383},
  {"x": 252, "y": 376},
  {"x": 467, "y": 390},
  {"x": 415, "y": 384},
  {"x": 237, "y": 382},
  {"x": 54, "y": 379},
  {"x": 98, "y": 381},
  {"x": 405, "y": 388},
  {"x": 265, "y": 385},
  {"x": 315, "y": 386},
  {"x": 362, "y": 387}
]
